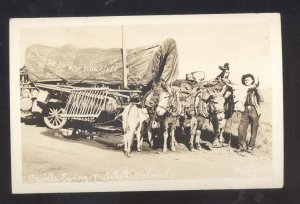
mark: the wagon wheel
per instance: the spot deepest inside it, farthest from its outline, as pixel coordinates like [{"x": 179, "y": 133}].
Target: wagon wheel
[{"x": 53, "y": 118}]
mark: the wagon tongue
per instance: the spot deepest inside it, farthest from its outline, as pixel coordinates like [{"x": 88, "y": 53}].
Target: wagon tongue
[{"x": 108, "y": 128}]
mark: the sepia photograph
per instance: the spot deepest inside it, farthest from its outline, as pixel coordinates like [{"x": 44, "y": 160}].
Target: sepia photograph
[{"x": 146, "y": 103}]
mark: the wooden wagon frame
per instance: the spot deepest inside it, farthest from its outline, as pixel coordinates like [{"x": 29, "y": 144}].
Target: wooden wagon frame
[{"x": 59, "y": 103}]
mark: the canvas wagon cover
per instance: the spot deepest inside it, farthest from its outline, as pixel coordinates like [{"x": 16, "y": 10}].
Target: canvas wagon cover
[{"x": 103, "y": 65}]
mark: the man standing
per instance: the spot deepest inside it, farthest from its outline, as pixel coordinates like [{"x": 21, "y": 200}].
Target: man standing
[{"x": 250, "y": 115}]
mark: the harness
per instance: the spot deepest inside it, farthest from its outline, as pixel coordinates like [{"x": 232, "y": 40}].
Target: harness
[{"x": 197, "y": 103}]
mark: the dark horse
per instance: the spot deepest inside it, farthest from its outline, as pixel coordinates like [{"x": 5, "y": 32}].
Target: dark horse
[{"x": 207, "y": 101}]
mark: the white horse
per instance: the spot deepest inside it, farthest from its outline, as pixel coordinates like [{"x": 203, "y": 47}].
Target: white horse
[{"x": 132, "y": 119}]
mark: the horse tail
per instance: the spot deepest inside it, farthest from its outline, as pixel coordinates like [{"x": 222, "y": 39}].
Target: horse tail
[{"x": 125, "y": 115}]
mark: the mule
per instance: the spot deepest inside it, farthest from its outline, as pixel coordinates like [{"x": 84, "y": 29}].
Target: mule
[
  {"x": 168, "y": 111},
  {"x": 207, "y": 101},
  {"x": 164, "y": 108}
]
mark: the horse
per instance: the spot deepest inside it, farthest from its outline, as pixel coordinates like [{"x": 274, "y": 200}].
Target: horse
[
  {"x": 132, "y": 122},
  {"x": 167, "y": 111},
  {"x": 207, "y": 102},
  {"x": 163, "y": 107}
]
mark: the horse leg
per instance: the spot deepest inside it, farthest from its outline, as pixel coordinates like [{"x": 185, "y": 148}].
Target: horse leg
[
  {"x": 125, "y": 143},
  {"x": 193, "y": 133},
  {"x": 139, "y": 137},
  {"x": 222, "y": 140},
  {"x": 150, "y": 141},
  {"x": 173, "y": 141},
  {"x": 197, "y": 139},
  {"x": 216, "y": 127},
  {"x": 216, "y": 141},
  {"x": 165, "y": 149},
  {"x": 129, "y": 141},
  {"x": 222, "y": 129},
  {"x": 181, "y": 128}
]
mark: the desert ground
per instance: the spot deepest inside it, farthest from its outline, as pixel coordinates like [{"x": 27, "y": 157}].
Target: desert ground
[{"x": 48, "y": 156}]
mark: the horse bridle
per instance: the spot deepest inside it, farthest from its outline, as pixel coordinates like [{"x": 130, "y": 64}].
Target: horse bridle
[
  {"x": 216, "y": 111},
  {"x": 168, "y": 107}
]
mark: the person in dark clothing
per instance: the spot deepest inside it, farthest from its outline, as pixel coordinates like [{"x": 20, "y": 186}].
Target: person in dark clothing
[
  {"x": 225, "y": 72},
  {"x": 250, "y": 115},
  {"x": 224, "y": 78}
]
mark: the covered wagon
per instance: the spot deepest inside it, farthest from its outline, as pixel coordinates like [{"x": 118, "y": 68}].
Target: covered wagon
[{"x": 68, "y": 83}]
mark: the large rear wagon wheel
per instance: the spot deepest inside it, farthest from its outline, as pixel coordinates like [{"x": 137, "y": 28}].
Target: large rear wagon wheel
[{"x": 53, "y": 118}]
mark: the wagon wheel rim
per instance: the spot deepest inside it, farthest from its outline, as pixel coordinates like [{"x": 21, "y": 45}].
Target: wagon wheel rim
[{"x": 54, "y": 118}]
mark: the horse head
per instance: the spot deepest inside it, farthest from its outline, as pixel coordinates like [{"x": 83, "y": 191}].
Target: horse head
[
  {"x": 167, "y": 99},
  {"x": 164, "y": 102},
  {"x": 216, "y": 104}
]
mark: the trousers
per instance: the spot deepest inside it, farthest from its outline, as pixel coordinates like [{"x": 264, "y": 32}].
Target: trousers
[{"x": 249, "y": 116}]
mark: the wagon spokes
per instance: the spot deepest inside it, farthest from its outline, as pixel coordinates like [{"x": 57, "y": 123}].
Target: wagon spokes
[{"x": 53, "y": 116}]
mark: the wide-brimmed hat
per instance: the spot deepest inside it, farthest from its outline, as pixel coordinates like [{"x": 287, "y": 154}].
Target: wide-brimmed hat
[{"x": 246, "y": 76}]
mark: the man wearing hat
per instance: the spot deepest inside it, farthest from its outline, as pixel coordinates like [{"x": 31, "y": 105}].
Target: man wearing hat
[{"x": 250, "y": 115}]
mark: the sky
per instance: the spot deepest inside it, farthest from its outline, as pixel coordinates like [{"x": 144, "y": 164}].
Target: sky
[{"x": 201, "y": 46}]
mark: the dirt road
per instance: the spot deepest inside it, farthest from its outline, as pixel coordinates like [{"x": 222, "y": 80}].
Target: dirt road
[{"x": 48, "y": 157}]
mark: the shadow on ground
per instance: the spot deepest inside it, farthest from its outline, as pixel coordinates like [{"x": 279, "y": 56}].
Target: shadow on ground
[{"x": 112, "y": 140}]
